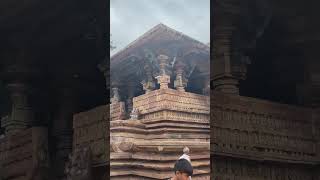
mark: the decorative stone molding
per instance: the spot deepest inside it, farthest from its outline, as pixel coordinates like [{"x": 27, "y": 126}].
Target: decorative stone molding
[
  {"x": 170, "y": 99},
  {"x": 247, "y": 169}
]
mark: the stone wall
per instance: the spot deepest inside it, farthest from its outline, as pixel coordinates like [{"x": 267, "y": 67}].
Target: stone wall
[
  {"x": 256, "y": 130},
  {"x": 91, "y": 130}
]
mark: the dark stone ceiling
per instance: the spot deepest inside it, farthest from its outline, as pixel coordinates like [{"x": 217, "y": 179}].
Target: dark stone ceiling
[{"x": 55, "y": 44}]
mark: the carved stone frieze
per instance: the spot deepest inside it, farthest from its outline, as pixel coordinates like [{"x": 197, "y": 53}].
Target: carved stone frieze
[{"x": 249, "y": 128}]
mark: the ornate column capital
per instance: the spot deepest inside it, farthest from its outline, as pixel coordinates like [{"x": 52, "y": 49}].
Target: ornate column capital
[{"x": 22, "y": 115}]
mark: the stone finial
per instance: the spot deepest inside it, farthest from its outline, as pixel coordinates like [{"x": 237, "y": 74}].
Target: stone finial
[
  {"x": 163, "y": 80},
  {"x": 116, "y": 95},
  {"x": 180, "y": 82},
  {"x": 134, "y": 115},
  {"x": 148, "y": 84},
  {"x": 163, "y": 64}
]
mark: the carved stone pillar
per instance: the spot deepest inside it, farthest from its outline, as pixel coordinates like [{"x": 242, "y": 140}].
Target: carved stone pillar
[
  {"x": 62, "y": 128},
  {"x": 148, "y": 84},
  {"x": 163, "y": 78},
  {"x": 22, "y": 114},
  {"x": 223, "y": 80},
  {"x": 181, "y": 82},
  {"x": 228, "y": 61}
]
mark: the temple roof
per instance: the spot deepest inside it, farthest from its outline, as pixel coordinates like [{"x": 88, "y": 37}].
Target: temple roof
[
  {"x": 127, "y": 64},
  {"x": 157, "y": 35}
]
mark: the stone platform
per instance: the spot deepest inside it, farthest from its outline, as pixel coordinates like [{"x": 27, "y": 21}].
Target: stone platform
[{"x": 168, "y": 120}]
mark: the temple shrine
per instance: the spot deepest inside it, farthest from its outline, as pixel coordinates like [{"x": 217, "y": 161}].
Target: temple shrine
[{"x": 160, "y": 105}]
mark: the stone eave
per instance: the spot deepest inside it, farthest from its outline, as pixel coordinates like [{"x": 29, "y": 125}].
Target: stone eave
[{"x": 158, "y": 29}]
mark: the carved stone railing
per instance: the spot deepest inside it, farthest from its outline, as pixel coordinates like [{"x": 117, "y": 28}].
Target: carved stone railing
[{"x": 259, "y": 129}]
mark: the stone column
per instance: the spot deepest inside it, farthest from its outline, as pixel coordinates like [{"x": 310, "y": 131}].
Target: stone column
[
  {"x": 163, "y": 78},
  {"x": 223, "y": 78},
  {"x": 22, "y": 114},
  {"x": 181, "y": 82},
  {"x": 62, "y": 128},
  {"x": 148, "y": 84},
  {"x": 228, "y": 66}
]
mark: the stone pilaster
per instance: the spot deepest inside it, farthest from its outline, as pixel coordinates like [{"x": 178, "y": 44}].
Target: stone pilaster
[{"x": 22, "y": 114}]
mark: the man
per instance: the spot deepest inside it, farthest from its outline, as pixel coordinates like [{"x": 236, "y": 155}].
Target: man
[{"x": 183, "y": 170}]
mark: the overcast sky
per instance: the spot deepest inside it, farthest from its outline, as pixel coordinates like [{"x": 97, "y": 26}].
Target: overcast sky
[{"x": 132, "y": 18}]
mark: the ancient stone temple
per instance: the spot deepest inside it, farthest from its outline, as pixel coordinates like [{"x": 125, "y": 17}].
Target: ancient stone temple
[
  {"x": 265, "y": 90},
  {"x": 159, "y": 106}
]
